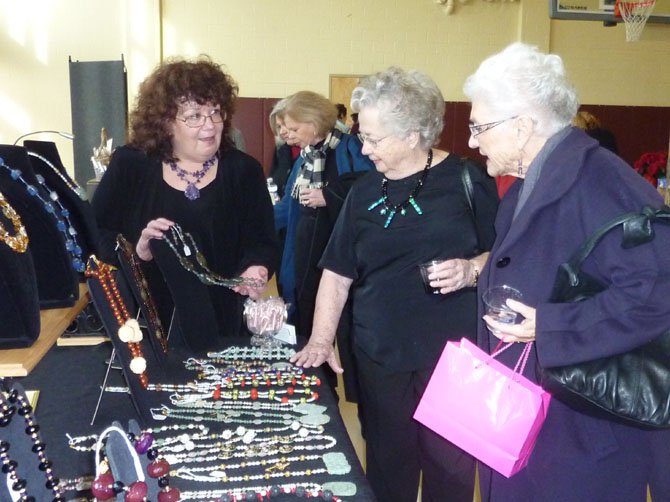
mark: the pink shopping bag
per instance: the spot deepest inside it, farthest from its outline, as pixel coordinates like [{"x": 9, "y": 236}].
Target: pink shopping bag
[{"x": 483, "y": 407}]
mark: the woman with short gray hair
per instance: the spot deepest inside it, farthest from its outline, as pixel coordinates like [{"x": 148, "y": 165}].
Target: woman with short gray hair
[{"x": 412, "y": 210}]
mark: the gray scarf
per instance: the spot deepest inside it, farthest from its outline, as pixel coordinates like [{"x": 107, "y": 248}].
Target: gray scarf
[{"x": 314, "y": 163}]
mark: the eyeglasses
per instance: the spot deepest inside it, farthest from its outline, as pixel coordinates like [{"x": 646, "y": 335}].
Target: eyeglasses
[
  {"x": 199, "y": 119},
  {"x": 374, "y": 143},
  {"x": 477, "y": 129}
]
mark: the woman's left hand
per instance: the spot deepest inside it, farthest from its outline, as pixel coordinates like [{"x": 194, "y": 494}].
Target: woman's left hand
[
  {"x": 452, "y": 275},
  {"x": 258, "y": 272},
  {"x": 312, "y": 197},
  {"x": 522, "y": 332}
]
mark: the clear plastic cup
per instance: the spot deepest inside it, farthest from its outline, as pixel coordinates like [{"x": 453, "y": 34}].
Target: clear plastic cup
[{"x": 495, "y": 301}]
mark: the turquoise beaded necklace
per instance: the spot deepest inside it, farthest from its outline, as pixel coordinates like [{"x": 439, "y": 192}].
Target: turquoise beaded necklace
[{"x": 390, "y": 210}]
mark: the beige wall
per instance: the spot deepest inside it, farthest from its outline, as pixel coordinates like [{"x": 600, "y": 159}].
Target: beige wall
[
  {"x": 275, "y": 47},
  {"x": 36, "y": 39}
]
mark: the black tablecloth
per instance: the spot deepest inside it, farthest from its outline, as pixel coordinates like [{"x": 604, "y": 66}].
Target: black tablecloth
[{"x": 69, "y": 380}]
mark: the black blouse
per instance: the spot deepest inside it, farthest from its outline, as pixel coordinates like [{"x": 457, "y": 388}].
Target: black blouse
[
  {"x": 396, "y": 323},
  {"x": 232, "y": 220}
]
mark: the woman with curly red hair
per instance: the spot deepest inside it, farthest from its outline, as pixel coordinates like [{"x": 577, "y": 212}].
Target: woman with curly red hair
[{"x": 180, "y": 166}]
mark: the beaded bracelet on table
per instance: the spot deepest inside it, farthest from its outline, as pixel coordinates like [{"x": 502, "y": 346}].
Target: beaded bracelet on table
[
  {"x": 68, "y": 231},
  {"x": 183, "y": 246},
  {"x": 69, "y": 182},
  {"x": 236, "y": 353},
  {"x": 13, "y": 402},
  {"x": 143, "y": 287},
  {"x": 129, "y": 329},
  {"x": 18, "y": 242}
]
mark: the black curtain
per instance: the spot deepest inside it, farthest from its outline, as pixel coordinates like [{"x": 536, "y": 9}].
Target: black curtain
[{"x": 99, "y": 98}]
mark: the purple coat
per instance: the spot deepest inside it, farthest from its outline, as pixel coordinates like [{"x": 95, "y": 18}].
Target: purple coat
[{"x": 578, "y": 457}]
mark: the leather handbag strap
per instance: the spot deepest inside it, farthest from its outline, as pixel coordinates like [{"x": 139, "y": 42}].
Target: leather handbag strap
[
  {"x": 637, "y": 229},
  {"x": 469, "y": 190}
]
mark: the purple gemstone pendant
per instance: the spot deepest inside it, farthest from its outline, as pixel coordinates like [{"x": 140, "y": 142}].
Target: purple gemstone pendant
[{"x": 192, "y": 192}]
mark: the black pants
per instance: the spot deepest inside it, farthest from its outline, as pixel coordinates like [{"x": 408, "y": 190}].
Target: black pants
[{"x": 399, "y": 448}]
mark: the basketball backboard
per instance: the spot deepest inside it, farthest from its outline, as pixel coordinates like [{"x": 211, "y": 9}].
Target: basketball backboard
[{"x": 601, "y": 10}]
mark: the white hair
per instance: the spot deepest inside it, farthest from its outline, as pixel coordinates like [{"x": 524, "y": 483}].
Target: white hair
[
  {"x": 408, "y": 101},
  {"x": 521, "y": 80}
]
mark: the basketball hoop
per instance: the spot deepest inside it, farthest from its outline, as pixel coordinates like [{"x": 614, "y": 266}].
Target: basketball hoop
[{"x": 634, "y": 14}]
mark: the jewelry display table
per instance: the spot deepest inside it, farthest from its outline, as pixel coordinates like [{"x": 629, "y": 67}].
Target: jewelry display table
[
  {"x": 67, "y": 402},
  {"x": 53, "y": 322}
]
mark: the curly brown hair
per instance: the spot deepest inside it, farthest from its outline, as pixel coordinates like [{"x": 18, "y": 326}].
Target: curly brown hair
[{"x": 171, "y": 83}]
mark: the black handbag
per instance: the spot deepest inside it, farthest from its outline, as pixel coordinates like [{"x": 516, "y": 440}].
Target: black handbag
[{"x": 633, "y": 387}]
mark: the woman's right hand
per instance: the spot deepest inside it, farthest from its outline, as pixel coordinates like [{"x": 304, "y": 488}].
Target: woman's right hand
[
  {"x": 315, "y": 353},
  {"x": 154, "y": 230}
]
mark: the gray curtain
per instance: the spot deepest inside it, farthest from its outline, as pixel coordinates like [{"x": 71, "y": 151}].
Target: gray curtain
[{"x": 99, "y": 98}]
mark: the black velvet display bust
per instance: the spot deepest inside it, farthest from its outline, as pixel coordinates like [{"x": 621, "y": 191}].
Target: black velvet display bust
[
  {"x": 19, "y": 302},
  {"x": 194, "y": 312},
  {"x": 81, "y": 212},
  {"x": 57, "y": 281}
]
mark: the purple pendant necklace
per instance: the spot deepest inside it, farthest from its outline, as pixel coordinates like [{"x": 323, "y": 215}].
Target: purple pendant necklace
[{"x": 192, "y": 192}]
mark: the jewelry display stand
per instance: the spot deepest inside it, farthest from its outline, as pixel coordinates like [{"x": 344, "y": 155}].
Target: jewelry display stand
[
  {"x": 194, "y": 312},
  {"x": 57, "y": 281},
  {"x": 19, "y": 301},
  {"x": 134, "y": 276},
  {"x": 45, "y": 160},
  {"x": 121, "y": 351}
]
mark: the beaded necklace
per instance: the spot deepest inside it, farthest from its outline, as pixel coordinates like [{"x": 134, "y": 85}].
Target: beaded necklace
[
  {"x": 19, "y": 241},
  {"x": 301, "y": 490},
  {"x": 143, "y": 286},
  {"x": 178, "y": 240},
  {"x": 192, "y": 192},
  {"x": 67, "y": 230},
  {"x": 335, "y": 463},
  {"x": 276, "y": 445},
  {"x": 12, "y": 401},
  {"x": 392, "y": 209},
  {"x": 69, "y": 182},
  {"x": 105, "y": 487},
  {"x": 129, "y": 329},
  {"x": 76, "y": 442}
]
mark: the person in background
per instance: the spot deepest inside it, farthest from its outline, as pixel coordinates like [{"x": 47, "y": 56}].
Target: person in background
[
  {"x": 411, "y": 210},
  {"x": 341, "y": 123},
  {"x": 329, "y": 163},
  {"x": 522, "y": 108},
  {"x": 180, "y": 166},
  {"x": 355, "y": 125},
  {"x": 237, "y": 138},
  {"x": 285, "y": 154},
  {"x": 590, "y": 123}
]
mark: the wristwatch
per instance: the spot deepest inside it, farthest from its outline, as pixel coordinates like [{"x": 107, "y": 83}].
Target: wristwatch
[{"x": 476, "y": 278}]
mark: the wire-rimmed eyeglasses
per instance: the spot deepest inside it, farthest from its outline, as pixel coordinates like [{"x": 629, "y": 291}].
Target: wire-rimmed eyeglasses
[
  {"x": 374, "y": 143},
  {"x": 199, "y": 119},
  {"x": 477, "y": 129}
]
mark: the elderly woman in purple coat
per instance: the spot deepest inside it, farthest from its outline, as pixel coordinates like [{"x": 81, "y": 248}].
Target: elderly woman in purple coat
[{"x": 568, "y": 186}]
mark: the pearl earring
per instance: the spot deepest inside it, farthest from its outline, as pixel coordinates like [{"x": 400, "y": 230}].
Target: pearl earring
[{"x": 519, "y": 168}]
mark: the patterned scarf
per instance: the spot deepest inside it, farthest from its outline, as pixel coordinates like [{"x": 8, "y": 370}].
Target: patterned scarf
[{"x": 314, "y": 163}]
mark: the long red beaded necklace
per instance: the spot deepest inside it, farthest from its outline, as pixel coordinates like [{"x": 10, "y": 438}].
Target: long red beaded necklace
[{"x": 129, "y": 329}]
